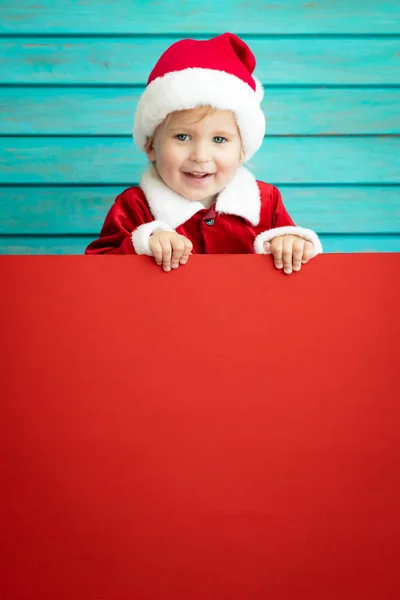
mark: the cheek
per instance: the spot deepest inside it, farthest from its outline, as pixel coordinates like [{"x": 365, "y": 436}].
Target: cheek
[
  {"x": 170, "y": 156},
  {"x": 230, "y": 162},
  {"x": 168, "y": 165}
]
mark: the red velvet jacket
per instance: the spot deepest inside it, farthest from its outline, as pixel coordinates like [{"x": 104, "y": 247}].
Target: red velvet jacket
[{"x": 247, "y": 213}]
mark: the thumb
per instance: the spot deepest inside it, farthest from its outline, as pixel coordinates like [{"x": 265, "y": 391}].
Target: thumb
[{"x": 267, "y": 247}]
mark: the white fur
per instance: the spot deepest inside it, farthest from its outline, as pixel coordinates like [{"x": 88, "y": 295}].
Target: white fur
[
  {"x": 267, "y": 236},
  {"x": 141, "y": 236},
  {"x": 259, "y": 89},
  {"x": 189, "y": 88},
  {"x": 240, "y": 197}
]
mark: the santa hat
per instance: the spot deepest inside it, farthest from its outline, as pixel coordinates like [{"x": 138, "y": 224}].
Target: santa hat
[{"x": 217, "y": 72}]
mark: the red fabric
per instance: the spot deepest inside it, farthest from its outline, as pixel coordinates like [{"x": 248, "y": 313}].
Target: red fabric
[
  {"x": 220, "y": 432},
  {"x": 226, "y": 52},
  {"x": 229, "y": 234}
]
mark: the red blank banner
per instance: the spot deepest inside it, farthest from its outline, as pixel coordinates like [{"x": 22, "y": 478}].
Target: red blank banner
[{"x": 223, "y": 431}]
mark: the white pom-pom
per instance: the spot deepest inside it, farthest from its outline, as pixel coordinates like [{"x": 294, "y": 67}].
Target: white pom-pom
[{"x": 259, "y": 89}]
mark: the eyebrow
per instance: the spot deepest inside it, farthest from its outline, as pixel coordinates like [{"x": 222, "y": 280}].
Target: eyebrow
[{"x": 219, "y": 132}]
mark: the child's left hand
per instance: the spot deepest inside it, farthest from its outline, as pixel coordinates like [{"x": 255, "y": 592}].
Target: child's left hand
[{"x": 289, "y": 252}]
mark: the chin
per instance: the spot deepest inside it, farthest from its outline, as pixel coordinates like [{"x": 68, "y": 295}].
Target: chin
[{"x": 193, "y": 197}]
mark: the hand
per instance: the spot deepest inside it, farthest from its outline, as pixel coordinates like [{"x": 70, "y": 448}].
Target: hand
[
  {"x": 289, "y": 251},
  {"x": 170, "y": 249}
]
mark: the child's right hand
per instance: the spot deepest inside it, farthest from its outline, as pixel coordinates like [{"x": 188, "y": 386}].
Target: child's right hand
[{"x": 170, "y": 249}]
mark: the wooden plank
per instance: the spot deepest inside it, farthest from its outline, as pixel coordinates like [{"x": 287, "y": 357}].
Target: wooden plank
[
  {"x": 288, "y": 61},
  {"x": 76, "y": 245},
  {"x": 78, "y": 210},
  {"x": 109, "y": 111},
  {"x": 43, "y": 245},
  {"x": 340, "y": 160},
  {"x": 287, "y": 16}
]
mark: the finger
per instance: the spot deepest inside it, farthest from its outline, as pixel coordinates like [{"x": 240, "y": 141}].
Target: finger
[
  {"x": 298, "y": 247},
  {"x": 267, "y": 247},
  {"x": 178, "y": 248},
  {"x": 187, "y": 252},
  {"x": 277, "y": 253},
  {"x": 287, "y": 255},
  {"x": 308, "y": 252},
  {"x": 156, "y": 249},
  {"x": 166, "y": 254}
]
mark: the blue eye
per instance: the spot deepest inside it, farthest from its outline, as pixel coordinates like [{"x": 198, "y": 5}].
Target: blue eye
[
  {"x": 218, "y": 139},
  {"x": 182, "y": 137}
]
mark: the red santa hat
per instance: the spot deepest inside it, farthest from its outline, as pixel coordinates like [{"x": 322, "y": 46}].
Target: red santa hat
[{"x": 217, "y": 72}]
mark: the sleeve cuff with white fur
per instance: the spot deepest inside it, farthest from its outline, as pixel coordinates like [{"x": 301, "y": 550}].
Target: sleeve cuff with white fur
[
  {"x": 267, "y": 236},
  {"x": 141, "y": 236}
]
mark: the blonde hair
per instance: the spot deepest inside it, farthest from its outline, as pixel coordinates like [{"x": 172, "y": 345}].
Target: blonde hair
[{"x": 199, "y": 113}]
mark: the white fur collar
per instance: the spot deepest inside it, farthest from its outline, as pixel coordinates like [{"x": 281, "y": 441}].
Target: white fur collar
[{"x": 240, "y": 197}]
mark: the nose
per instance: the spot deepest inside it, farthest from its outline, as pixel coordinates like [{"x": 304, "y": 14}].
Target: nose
[{"x": 200, "y": 152}]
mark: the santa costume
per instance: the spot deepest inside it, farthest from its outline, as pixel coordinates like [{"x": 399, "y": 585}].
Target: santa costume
[{"x": 219, "y": 73}]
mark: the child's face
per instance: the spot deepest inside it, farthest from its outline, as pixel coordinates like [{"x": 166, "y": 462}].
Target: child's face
[{"x": 197, "y": 159}]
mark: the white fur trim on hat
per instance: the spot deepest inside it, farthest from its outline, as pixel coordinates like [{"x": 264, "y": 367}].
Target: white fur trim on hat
[
  {"x": 189, "y": 88},
  {"x": 259, "y": 89},
  {"x": 267, "y": 236},
  {"x": 141, "y": 236}
]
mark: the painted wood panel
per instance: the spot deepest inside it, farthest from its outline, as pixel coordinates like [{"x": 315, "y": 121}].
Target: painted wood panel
[
  {"x": 77, "y": 69},
  {"x": 128, "y": 61},
  {"x": 81, "y": 210},
  {"x": 76, "y": 245},
  {"x": 112, "y": 160},
  {"x": 136, "y": 16},
  {"x": 109, "y": 111}
]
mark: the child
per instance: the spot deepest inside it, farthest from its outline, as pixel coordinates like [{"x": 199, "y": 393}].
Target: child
[{"x": 198, "y": 119}]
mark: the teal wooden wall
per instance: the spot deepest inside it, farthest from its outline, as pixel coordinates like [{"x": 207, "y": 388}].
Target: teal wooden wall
[{"x": 71, "y": 72}]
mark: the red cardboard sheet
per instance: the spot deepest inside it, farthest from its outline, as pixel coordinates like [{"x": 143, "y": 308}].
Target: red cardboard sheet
[{"x": 221, "y": 432}]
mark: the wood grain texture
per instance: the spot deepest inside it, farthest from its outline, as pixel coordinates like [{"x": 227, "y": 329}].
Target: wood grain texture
[
  {"x": 77, "y": 245},
  {"x": 137, "y": 16},
  {"x": 287, "y": 61},
  {"x": 329, "y": 69},
  {"x": 280, "y": 160},
  {"x": 109, "y": 111},
  {"x": 82, "y": 210}
]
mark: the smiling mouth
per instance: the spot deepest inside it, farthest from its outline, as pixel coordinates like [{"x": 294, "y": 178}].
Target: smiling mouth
[{"x": 198, "y": 175}]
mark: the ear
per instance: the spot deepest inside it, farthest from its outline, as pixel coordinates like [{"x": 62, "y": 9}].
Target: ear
[{"x": 151, "y": 154}]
